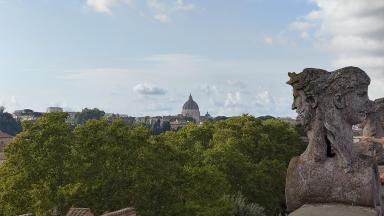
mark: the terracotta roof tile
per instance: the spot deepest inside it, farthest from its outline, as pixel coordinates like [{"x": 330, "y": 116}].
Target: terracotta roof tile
[
  {"x": 122, "y": 212},
  {"x": 5, "y": 135},
  {"x": 79, "y": 212}
]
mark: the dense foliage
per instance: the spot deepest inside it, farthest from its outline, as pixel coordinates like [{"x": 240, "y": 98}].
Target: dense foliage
[
  {"x": 243, "y": 208},
  {"x": 8, "y": 124},
  {"x": 88, "y": 114},
  {"x": 107, "y": 166}
]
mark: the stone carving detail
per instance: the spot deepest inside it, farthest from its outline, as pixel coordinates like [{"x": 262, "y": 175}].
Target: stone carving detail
[
  {"x": 308, "y": 89},
  {"x": 373, "y": 126},
  {"x": 332, "y": 169}
]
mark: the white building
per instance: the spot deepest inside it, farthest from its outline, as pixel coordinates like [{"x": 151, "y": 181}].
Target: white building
[{"x": 54, "y": 109}]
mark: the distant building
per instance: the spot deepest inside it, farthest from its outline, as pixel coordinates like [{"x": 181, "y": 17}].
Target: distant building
[
  {"x": 177, "y": 124},
  {"x": 54, "y": 109},
  {"x": 146, "y": 120},
  {"x": 207, "y": 117},
  {"x": 191, "y": 109},
  {"x": 125, "y": 118},
  {"x": 26, "y": 115}
]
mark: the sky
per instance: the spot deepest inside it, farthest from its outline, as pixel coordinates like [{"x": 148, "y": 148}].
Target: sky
[{"x": 144, "y": 57}]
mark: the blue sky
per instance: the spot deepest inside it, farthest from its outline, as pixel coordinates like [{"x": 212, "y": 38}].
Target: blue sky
[{"x": 144, "y": 57}]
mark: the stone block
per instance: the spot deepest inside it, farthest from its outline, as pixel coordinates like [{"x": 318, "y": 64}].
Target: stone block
[{"x": 334, "y": 210}]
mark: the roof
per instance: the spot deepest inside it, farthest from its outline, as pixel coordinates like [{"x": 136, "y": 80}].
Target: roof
[
  {"x": 5, "y": 135},
  {"x": 190, "y": 104},
  {"x": 79, "y": 212},
  {"x": 122, "y": 212}
]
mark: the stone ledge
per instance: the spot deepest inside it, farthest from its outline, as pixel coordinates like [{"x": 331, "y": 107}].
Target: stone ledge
[{"x": 333, "y": 210}]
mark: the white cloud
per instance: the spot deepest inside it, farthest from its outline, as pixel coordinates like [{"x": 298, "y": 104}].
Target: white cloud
[
  {"x": 177, "y": 67},
  {"x": 304, "y": 35},
  {"x": 301, "y": 25},
  {"x": 174, "y": 58},
  {"x": 157, "y": 5},
  {"x": 164, "y": 18},
  {"x": 160, "y": 10},
  {"x": 210, "y": 90},
  {"x": 372, "y": 62},
  {"x": 148, "y": 89},
  {"x": 13, "y": 100},
  {"x": 170, "y": 5},
  {"x": 233, "y": 99},
  {"x": 268, "y": 40},
  {"x": 10, "y": 103},
  {"x": 104, "y": 6},
  {"x": 280, "y": 39},
  {"x": 355, "y": 43},
  {"x": 351, "y": 30},
  {"x": 182, "y": 6},
  {"x": 164, "y": 9},
  {"x": 237, "y": 83},
  {"x": 222, "y": 87},
  {"x": 264, "y": 99}
]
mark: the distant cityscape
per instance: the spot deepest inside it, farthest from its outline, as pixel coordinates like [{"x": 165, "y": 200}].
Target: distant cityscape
[{"x": 190, "y": 113}]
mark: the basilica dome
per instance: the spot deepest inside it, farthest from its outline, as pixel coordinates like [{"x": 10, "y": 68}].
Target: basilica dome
[
  {"x": 191, "y": 109},
  {"x": 190, "y": 104}
]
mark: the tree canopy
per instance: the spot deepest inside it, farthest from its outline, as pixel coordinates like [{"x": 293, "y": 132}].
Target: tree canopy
[
  {"x": 108, "y": 166},
  {"x": 8, "y": 124},
  {"x": 88, "y": 114}
]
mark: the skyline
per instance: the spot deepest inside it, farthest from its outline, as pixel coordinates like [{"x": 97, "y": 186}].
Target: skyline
[{"x": 144, "y": 57}]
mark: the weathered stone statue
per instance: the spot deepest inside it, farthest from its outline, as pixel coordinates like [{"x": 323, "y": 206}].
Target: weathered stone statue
[
  {"x": 373, "y": 126},
  {"x": 308, "y": 92},
  {"x": 346, "y": 104},
  {"x": 332, "y": 169}
]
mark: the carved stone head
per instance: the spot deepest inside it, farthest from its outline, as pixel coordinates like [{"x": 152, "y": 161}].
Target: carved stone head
[
  {"x": 307, "y": 88},
  {"x": 348, "y": 89},
  {"x": 373, "y": 126}
]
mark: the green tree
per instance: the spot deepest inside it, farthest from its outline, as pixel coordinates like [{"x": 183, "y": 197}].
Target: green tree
[
  {"x": 254, "y": 155},
  {"x": 176, "y": 183},
  {"x": 110, "y": 165},
  {"x": 243, "y": 208},
  {"x": 35, "y": 169},
  {"x": 88, "y": 114},
  {"x": 8, "y": 124},
  {"x": 115, "y": 165},
  {"x": 103, "y": 164}
]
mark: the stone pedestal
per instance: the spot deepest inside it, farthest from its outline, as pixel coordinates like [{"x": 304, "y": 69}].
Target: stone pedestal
[
  {"x": 334, "y": 210},
  {"x": 310, "y": 182}
]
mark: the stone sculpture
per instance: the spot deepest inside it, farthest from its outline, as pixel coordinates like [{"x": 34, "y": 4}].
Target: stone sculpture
[
  {"x": 308, "y": 90},
  {"x": 373, "y": 126},
  {"x": 332, "y": 169},
  {"x": 374, "y": 123}
]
